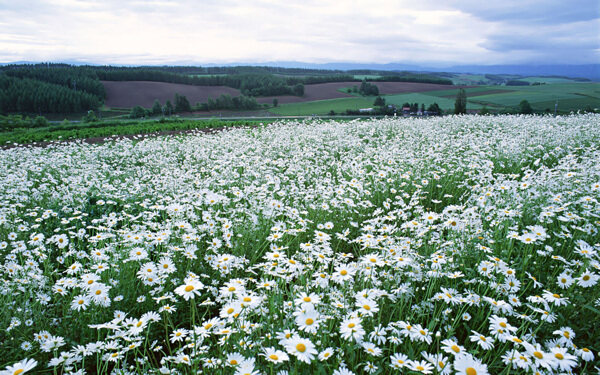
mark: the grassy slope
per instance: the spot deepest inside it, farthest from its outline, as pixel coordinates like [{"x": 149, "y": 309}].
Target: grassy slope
[
  {"x": 578, "y": 95},
  {"x": 571, "y": 96},
  {"x": 444, "y": 103},
  {"x": 322, "y": 107}
]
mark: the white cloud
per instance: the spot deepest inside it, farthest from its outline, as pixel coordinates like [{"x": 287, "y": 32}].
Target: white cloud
[{"x": 163, "y": 31}]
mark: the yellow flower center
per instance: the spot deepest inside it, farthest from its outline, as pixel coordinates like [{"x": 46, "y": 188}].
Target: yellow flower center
[
  {"x": 351, "y": 325},
  {"x": 189, "y": 288},
  {"x": 247, "y": 299},
  {"x": 231, "y": 289},
  {"x": 559, "y": 356},
  {"x": 230, "y": 310},
  {"x": 343, "y": 272},
  {"x": 274, "y": 357},
  {"x": 309, "y": 321},
  {"x": 538, "y": 355},
  {"x": 455, "y": 348},
  {"x": 586, "y": 277},
  {"x": 502, "y": 324},
  {"x": 301, "y": 348},
  {"x": 471, "y": 371},
  {"x": 306, "y": 299},
  {"x": 233, "y": 362},
  {"x": 367, "y": 307}
]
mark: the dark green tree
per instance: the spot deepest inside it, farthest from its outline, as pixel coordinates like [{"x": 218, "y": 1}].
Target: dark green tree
[
  {"x": 40, "y": 121},
  {"x": 434, "y": 109},
  {"x": 275, "y": 102},
  {"x": 137, "y": 112},
  {"x": 298, "y": 89},
  {"x": 168, "y": 109},
  {"x": 525, "y": 107},
  {"x": 460, "y": 105},
  {"x": 90, "y": 117},
  {"x": 379, "y": 102},
  {"x": 182, "y": 104},
  {"x": 156, "y": 108}
]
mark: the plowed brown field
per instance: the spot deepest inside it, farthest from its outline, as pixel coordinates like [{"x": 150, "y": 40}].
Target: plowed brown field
[{"x": 127, "y": 94}]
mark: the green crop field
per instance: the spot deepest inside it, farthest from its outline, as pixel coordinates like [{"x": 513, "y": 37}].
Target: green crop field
[
  {"x": 323, "y": 107},
  {"x": 426, "y": 99},
  {"x": 578, "y": 94},
  {"x": 548, "y": 80}
]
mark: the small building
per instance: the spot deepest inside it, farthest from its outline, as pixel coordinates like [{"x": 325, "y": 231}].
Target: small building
[{"x": 365, "y": 110}]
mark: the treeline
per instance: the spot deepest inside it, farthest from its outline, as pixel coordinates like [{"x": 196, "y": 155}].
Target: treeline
[
  {"x": 413, "y": 77},
  {"x": 182, "y": 104},
  {"x": 27, "y": 95}
]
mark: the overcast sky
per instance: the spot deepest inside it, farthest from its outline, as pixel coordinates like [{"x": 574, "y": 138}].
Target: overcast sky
[{"x": 254, "y": 31}]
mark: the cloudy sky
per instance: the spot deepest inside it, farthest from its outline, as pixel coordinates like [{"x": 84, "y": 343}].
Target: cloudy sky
[{"x": 253, "y": 31}]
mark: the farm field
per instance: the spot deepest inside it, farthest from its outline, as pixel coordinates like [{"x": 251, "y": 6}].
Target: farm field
[
  {"x": 127, "y": 94},
  {"x": 544, "y": 93},
  {"x": 450, "y": 245},
  {"x": 122, "y": 94},
  {"x": 323, "y": 97},
  {"x": 424, "y": 98},
  {"x": 571, "y": 96},
  {"x": 322, "y": 107}
]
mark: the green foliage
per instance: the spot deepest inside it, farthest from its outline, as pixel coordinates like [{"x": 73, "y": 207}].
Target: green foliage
[
  {"x": 368, "y": 89},
  {"x": 525, "y": 107},
  {"x": 298, "y": 89},
  {"x": 27, "y": 95},
  {"x": 275, "y": 102},
  {"x": 24, "y": 133},
  {"x": 225, "y": 101},
  {"x": 434, "y": 109},
  {"x": 168, "y": 108},
  {"x": 40, "y": 121},
  {"x": 90, "y": 117},
  {"x": 460, "y": 105},
  {"x": 182, "y": 104},
  {"x": 137, "y": 112},
  {"x": 75, "y": 78},
  {"x": 379, "y": 102},
  {"x": 156, "y": 108}
]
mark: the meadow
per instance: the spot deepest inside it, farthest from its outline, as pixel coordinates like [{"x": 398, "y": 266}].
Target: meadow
[{"x": 450, "y": 245}]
